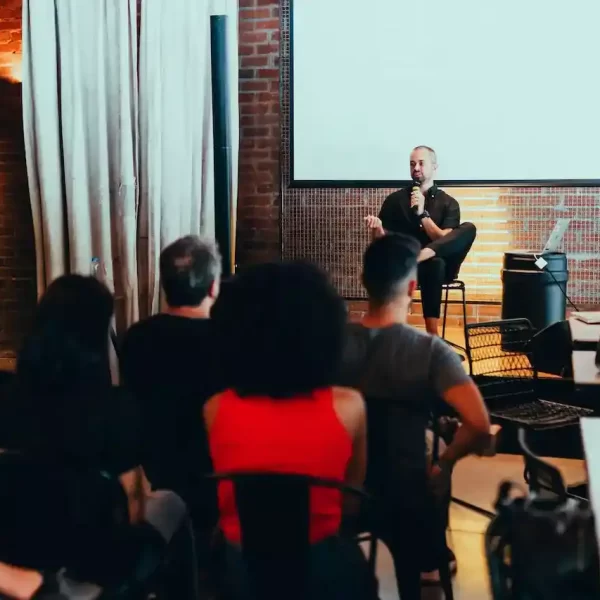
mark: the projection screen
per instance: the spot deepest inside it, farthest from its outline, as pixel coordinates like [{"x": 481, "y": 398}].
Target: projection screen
[{"x": 506, "y": 91}]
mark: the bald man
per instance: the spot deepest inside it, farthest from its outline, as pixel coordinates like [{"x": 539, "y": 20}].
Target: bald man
[{"x": 431, "y": 216}]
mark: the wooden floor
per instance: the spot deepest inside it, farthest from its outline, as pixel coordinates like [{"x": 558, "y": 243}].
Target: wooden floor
[{"x": 475, "y": 480}]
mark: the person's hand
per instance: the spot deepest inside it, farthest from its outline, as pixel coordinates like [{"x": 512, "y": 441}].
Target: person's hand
[
  {"x": 417, "y": 199},
  {"x": 439, "y": 479},
  {"x": 374, "y": 224}
]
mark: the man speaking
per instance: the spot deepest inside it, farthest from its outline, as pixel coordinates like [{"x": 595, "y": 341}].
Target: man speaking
[{"x": 431, "y": 216}]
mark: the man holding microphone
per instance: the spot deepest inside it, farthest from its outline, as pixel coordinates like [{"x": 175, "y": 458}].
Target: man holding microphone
[{"x": 430, "y": 215}]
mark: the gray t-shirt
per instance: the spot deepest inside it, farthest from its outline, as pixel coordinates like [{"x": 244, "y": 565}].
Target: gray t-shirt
[{"x": 408, "y": 366}]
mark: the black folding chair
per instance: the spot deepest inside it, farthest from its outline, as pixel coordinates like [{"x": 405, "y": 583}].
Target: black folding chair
[
  {"x": 500, "y": 361},
  {"x": 274, "y": 513},
  {"x": 545, "y": 479}
]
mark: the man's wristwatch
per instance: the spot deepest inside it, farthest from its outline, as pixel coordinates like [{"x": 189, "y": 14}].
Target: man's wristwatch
[{"x": 423, "y": 215}]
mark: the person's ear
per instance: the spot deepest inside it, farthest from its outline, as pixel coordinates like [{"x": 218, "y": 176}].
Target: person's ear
[
  {"x": 412, "y": 286},
  {"x": 213, "y": 290}
]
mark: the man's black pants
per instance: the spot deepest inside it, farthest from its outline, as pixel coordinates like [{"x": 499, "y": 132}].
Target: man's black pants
[{"x": 450, "y": 252}]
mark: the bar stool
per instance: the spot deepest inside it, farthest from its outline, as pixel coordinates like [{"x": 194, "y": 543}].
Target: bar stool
[{"x": 456, "y": 285}]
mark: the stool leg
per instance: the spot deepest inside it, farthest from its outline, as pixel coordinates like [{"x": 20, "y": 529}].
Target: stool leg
[
  {"x": 464, "y": 307},
  {"x": 445, "y": 313}
]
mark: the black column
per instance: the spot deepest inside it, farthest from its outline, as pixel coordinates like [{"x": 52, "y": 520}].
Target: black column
[{"x": 221, "y": 139}]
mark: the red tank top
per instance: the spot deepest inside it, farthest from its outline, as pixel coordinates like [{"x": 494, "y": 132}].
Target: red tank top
[{"x": 300, "y": 435}]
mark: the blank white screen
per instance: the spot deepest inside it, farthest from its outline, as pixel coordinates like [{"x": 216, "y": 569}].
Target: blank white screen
[{"x": 504, "y": 90}]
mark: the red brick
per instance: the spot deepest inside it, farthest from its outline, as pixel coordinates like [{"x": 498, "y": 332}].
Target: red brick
[
  {"x": 255, "y": 13},
  {"x": 247, "y": 98},
  {"x": 254, "y": 86},
  {"x": 258, "y": 200},
  {"x": 255, "y": 108},
  {"x": 14, "y": 46},
  {"x": 256, "y": 155},
  {"x": 268, "y": 165},
  {"x": 267, "y": 73},
  {"x": 256, "y": 131},
  {"x": 9, "y": 13},
  {"x": 254, "y": 3},
  {"x": 254, "y": 61},
  {"x": 267, "y": 119},
  {"x": 265, "y": 143},
  {"x": 247, "y": 74},
  {"x": 253, "y": 37},
  {"x": 267, "y": 24},
  {"x": 247, "y": 49},
  {"x": 271, "y": 48},
  {"x": 268, "y": 97}
]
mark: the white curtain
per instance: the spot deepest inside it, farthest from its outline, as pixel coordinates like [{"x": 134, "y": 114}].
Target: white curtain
[
  {"x": 80, "y": 122},
  {"x": 176, "y": 157}
]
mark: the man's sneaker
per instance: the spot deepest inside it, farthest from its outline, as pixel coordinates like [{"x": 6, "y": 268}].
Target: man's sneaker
[{"x": 432, "y": 578}]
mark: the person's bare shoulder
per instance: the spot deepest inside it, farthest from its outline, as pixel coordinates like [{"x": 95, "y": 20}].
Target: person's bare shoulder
[
  {"x": 346, "y": 395},
  {"x": 210, "y": 410},
  {"x": 350, "y": 408}
]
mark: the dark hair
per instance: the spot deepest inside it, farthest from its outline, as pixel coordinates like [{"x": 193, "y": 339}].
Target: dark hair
[
  {"x": 69, "y": 341},
  {"x": 387, "y": 264},
  {"x": 283, "y": 326},
  {"x": 188, "y": 267}
]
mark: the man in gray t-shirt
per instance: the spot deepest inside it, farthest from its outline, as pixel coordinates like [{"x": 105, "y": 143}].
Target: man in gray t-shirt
[
  {"x": 386, "y": 359},
  {"x": 402, "y": 363}
]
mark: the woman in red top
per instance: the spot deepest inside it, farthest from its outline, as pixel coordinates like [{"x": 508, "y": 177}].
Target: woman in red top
[{"x": 283, "y": 328}]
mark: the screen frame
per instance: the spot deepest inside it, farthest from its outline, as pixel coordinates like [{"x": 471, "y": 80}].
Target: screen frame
[{"x": 399, "y": 183}]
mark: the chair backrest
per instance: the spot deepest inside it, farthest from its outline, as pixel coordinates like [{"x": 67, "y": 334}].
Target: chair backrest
[
  {"x": 274, "y": 513},
  {"x": 52, "y": 516},
  {"x": 542, "y": 477},
  {"x": 396, "y": 440},
  {"x": 500, "y": 360}
]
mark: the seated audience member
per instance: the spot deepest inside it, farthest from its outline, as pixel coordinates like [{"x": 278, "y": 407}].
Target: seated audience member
[
  {"x": 385, "y": 358},
  {"x": 62, "y": 402},
  {"x": 169, "y": 362},
  {"x": 63, "y": 407},
  {"x": 283, "y": 332}
]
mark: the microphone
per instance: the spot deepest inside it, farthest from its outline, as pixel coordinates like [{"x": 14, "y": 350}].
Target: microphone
[{"x": 416, "y": 186}]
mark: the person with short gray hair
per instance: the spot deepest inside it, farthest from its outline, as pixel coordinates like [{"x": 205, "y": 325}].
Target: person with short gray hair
[
  {"x": 170, "y": 363},
  {"x": 190, "y": 270}
]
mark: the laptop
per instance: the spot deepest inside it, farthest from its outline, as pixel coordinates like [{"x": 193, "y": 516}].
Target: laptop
[
  {"x": 589, "y": 317},
  {"x": 557, "y": 235}
]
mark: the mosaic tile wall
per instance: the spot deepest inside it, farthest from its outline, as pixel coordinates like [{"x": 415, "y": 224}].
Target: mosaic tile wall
[{"x": 326, "y": 225}]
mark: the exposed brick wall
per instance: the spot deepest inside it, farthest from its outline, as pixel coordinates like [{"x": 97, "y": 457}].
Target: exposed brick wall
[
  {"x": 258, "y": 225},
  {"x": 17, "y": 249}
]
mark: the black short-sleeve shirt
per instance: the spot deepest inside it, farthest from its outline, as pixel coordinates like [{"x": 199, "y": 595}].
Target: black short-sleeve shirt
[{"x": 397, "y": 216}]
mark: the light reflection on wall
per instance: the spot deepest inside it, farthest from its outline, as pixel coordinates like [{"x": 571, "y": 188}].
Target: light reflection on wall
[{"x": 11, "y": 66}]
